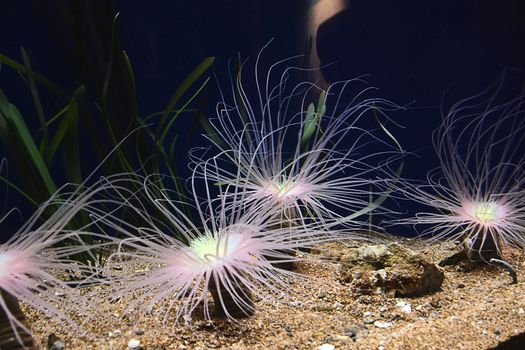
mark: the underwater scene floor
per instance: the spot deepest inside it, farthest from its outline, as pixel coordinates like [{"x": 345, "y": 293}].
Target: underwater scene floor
[{"x": 476, "y": 307}]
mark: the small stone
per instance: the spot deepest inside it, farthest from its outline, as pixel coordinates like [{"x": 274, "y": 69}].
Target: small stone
[
  {"x": 401, "y": 303},
  {"x": 497, "y": 332},
  {"x": 521, "y": 311},
  {"x": 367, "y": 313},
  {"x": 380, "y": 324},
  {"x": 406, "y": 309},
  {"x": 381, "y": 274},
  {"x": 114, "y": 333},
  {"x": 133, "y": 343},
  {"x": 461, "y": 285},
  {"x": 342, "y": 338},
  {"x": 351, "y": 332},
  {"x": 355, "y": 332},
  {"x": 59, "y": 293},
  {"x": 139, "y": 332},
  {"x": 55, "y": 343},
  {"x": 368, "y": 321},
  {"x": 326, "y": 346},
  {"x": 321, "y": 295},
  {"x": 419, "y": 307}
]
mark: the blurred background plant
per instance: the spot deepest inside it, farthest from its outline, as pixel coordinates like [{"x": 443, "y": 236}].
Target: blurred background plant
[{"x": 70, "y": 130}]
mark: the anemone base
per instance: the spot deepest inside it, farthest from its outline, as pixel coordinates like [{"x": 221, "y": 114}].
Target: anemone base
[
  {"x": 236, "y": 301},
  {"x": 8, "y": 338},
  {"x": 481, "y": 254}
]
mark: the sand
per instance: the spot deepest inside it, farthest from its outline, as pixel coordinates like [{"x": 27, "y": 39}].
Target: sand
[{"x": 476, "y": 308}]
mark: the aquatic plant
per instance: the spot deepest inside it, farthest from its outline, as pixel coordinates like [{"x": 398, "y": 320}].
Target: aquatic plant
[
  {"x": 478, "y": 192},
  {"x": 182, "y": 262},
  {"x": 312, "y": 161},
  {"x": 99, "y": 111},
  {"x": 35, "y": 264}
]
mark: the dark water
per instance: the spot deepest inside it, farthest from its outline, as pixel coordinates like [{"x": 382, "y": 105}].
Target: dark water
[{"x": 413, "y": 51}]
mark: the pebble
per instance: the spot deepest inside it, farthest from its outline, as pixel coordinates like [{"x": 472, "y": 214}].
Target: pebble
[
  {"x": 55, "y": 343},
  {"x": 521, "y": 311},
  {"x": 115, "y": 333},
  {"x": 380, "y": 324},
  {"x": 407, "y": 309},
  {"x": 133, "y": 343},
  {"x": 326, "y": 346},
  {"x": 355, "y": 332},
  {"x": 368, "y": 321},
  {"x": 139, "y": 332}
]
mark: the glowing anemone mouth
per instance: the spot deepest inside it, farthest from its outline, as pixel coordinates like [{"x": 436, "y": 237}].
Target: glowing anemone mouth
[
  {"x": 210, "y": 249},
  {"x": 485, "y": 212}
]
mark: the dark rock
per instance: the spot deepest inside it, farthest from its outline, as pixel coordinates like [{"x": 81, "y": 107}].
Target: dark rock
[
  {"x": 390, "y": 268},
  {"x": 55, "y": 343}
]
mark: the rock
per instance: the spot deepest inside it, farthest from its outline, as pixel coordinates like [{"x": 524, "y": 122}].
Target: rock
[
  {"x": 139, "y": 332},
  {"x": 326, "y": 346},
  {"x": 355, "y": 332},
  {"x": 407, "y": 309},
  {"x": 55, "y": 343},
  {"x": 380, "y": 324},
  {"x": 134, "y": 344},
  {"x": 389, "y": 268}
]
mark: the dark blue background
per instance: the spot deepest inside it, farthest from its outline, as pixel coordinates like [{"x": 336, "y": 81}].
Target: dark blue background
[{"x": 413, "y": 50}]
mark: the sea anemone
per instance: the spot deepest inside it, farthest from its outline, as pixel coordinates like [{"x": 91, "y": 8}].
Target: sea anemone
[
  {"x": 311, "y": 161},
  {"x": 478, "y": 192},
  {"x": 182, "y": 263},
  {"x": 29, "y": 263}
]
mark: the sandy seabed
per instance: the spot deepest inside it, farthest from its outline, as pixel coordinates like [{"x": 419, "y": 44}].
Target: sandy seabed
[{"x": 476, "y": 308}]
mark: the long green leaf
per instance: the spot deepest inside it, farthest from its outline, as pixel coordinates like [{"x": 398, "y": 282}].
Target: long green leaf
[
  {"x": 19, "y": 190},
  {"x": 172, "y": 120},
  {"x": 37, "y": 102},
  {"x": 29, "y": 72},
  {"x": 13, "y": 116},
  {"x": 181, "y": 90}
]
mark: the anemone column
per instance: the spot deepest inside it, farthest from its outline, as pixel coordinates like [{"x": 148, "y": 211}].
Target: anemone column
[{"x": 8, "y": 338}]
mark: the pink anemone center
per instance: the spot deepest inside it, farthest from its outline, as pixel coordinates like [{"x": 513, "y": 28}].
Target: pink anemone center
[
  {"x": 14, "y": 263},
  {"x": 285, "y": 190}
]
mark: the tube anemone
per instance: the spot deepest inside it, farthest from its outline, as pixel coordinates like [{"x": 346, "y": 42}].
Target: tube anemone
[
  {"x": 189, "y": 265},
  {"x": 314, "y": 163},
  {"x": 478, "y": 192},
  {"x": 29, "y": 263}
]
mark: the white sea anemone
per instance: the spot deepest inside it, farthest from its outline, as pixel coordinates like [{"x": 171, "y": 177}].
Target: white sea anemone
[
  {"x": 478, "y": 192},
  {"x": 186, "y": 265},
  {"x": 30, "y": 263},
  {"x": 313, "y": 161}
]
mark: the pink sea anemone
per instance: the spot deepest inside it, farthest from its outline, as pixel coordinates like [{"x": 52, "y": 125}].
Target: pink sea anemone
[
  {"x": 478, "y": 192},
  {"x": 313, "y": 161},
  {"x": 34, "y": 265},
  {"x": 186, "y": 263}
]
